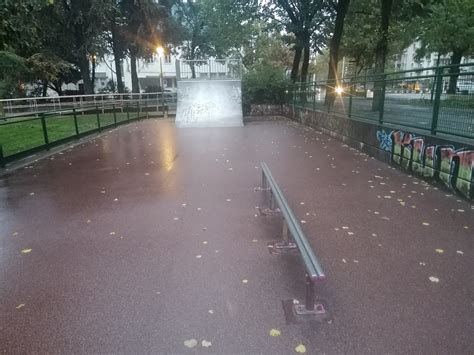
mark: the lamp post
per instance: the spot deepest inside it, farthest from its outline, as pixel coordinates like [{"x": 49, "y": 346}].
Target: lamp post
[{"x": 160, "y": 50}]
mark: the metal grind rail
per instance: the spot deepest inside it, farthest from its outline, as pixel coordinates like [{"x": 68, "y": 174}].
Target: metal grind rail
[{"x": 314, "y": 270}]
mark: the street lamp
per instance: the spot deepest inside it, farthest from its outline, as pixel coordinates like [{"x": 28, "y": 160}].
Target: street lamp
[{"x": 160, "y": 50}]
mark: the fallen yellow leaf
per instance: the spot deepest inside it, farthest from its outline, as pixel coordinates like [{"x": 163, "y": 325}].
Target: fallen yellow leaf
[
  {"x": 26, "y": 251},
  {"x": 275, "y": 332},
  {"x": 300, "y": 349}
]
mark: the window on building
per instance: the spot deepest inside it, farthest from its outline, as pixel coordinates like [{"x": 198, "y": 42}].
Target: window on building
[{"x": 167, "y": 59}]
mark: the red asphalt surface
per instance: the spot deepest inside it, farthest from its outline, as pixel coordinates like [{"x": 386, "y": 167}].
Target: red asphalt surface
[{"x": 147, "y": 239}]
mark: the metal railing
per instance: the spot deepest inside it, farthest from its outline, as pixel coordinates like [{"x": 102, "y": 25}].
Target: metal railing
[
  {"x": 211, "y": 69},
  {"x": 438, "y": 99},
  {"x": 291, "y": 226},
  {"x": 150, "y": 102},
  {"x": 24, "y": 136}
]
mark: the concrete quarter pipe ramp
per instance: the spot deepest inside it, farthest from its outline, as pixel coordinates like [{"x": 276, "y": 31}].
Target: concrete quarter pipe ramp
[{"x": 209, "y": 103}]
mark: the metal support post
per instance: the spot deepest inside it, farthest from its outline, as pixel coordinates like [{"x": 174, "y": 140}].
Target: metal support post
[
  {"x": 272, "y": 201},
  {"x": 437, "y": 102},
  {"x": 98, "y": 117},
  {"x": 45, "y": 131},
  {"x": 76, "y": 126},
  {"x": 128, "y": 112},
  {"x": 351, "y": 93},
  {"x": 2, "y": 158},
  {"x": 382, "y": 98},
  {"x": 284, "y": 245},
  {"x": 314, "y": 96},
  {"x": 309, "y": 294},
  {"x": 311, "y": 308},
  {"x": 115, "y": 115}
]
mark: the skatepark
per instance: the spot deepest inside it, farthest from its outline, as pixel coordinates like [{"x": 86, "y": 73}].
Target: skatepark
[
  {"x": 165, "y": 236},
  {"x": 148, "y": 238}
]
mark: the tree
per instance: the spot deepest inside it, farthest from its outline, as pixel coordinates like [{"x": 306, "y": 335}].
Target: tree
[
  {"x": 449, "y": 29},
  {"x": 305, "y": 20},
  {"x": 12, "y": 70},
  {"x": 214, "y": 28},
  {"x": 19, "y": 27},
  {"x": 341, "y": 10},
  {"x": 83, "y": 23},
  {"x": 266, "y": 47}
]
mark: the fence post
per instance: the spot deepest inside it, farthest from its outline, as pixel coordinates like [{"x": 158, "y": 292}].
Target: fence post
[
  {"x": 382, "y": 98},
  {"x": 351, "y": 93},
  {"x": 98, "y": 117},
  {"x": 128, "y": 112},
  {"x": 75, "y": 122},
  {"x": 328, "y": 87},
  {"x": 294, "y": 95},
  {"x": 138, "y": 110},
  {"x": 2, "y": 158},
  {"x": 115, "y": 115},
  {"x": 314, "y": 96},
  {"x": 437, "y": 102},
  {"x": 45, "y": 131}
]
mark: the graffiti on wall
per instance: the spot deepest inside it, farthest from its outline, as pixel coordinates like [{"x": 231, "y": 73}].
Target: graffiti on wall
[{"x": 453, "y": 167}]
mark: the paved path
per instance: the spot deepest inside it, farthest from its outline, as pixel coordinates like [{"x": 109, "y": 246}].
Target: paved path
[{"x": 140, "y": 240}]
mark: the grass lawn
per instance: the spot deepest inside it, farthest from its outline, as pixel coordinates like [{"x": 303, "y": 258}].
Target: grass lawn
[{"x": 19, "y": 135}]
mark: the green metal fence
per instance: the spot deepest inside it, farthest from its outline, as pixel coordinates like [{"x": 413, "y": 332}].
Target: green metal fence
[
  {"x": 23, "y": 136},
  {"x": 437, "y": 100}
]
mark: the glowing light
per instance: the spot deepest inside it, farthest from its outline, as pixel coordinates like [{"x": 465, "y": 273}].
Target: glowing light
[
  {"x": 160, "y": 50},
  {"x": 339, "y": 90}
]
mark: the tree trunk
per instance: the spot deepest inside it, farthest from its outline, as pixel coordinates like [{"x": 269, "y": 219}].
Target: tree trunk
[
  {"x": 304, "y": 73},
  {"x": 334, "y": 45},
  {"x": 117, "y": 59},
  {"x": 45, "y": 88},
  {"x": 93, "y": 74},
  {"x": 381, "y": 54},
  {"x": 133, "y": 67},
  {"x": 454, "y": 71},
  {"x": 305, "y": 66},
  {"x": 85, "y": 73},
  {"x": 296, "y": 64},
  {"x": 192, "y": 63}
]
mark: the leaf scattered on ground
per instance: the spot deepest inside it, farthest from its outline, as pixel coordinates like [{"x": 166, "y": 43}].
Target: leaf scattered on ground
[
  {"x": 21, "y": 305},
  {"x": 245, "y": 281},
  {"x": 275, "y": 333},
  {"x": 191, "y": 343},
  {"x": 439, "y": 251},
  {"x": 26, "y": 251},
  {"x": 206, "y": 344},
  {"x": 300, "y": 349},
  {"x": 434, "y": 279}
]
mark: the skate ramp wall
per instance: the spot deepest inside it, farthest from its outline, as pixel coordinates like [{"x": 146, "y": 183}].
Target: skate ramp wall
[{"x": 209, "y": 103}]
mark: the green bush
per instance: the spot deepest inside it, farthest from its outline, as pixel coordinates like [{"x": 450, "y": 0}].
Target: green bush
[{"x": 263, "y": 84}]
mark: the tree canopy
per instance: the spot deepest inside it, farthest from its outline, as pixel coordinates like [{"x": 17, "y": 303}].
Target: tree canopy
[{"x": 52, "y": 42}]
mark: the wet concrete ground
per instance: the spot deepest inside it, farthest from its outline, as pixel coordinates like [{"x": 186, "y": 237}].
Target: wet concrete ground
[{"x": 142, "y": 239}]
